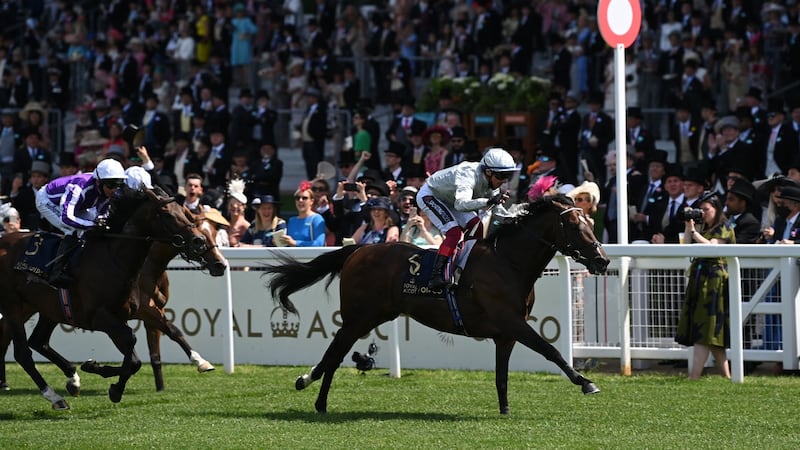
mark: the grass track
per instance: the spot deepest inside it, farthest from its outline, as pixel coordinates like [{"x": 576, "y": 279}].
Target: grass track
[{"x": 257, "y": 407}]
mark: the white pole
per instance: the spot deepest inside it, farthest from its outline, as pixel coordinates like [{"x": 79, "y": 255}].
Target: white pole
[
  {"x": 565, "y": 280},
  {"x": 228, "y": 350},
  {"x": 736, "y": 359},
  {"x": 621, "y": 138},
  {"x": 624, "y": 318},
  {"x": 394, "y": 364}
]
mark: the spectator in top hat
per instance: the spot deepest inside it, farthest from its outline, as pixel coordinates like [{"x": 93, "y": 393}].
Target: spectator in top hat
[
  {"x": 738, "y": 201},
  {"x": 567, "y": 134},
  {"x": 265, "y": 120},
  {"x": 394, "y": 163},
  {"x": 402, "y": 125},
  {"x": 31, "y": 151},
  {"x": 156, "y": 126},
  {"x": 708, "y": 117},
  {"x": 243, "y": 121},
  {"x": 726, "y": 150},
  {"x": 461, "y": 148},
  {"x": 650, "y": 207},
  {"x": 416, "y": 150},
  {"x": 313, "y": 131},
  {"x": 786, "y": 229},
  {"x": 546, "y": 165},
  {"x": 753, "y": 101},
  {"x": 597, "y": 132},
  {"x": 685, "y": 134},
  {"x": 671, "y": 224},
  {"x": 782, "y": 143},
  {"x": 23, "y": 196},
  {"x": 182, "y": 112},
  {"x": 639, "y": 138}
]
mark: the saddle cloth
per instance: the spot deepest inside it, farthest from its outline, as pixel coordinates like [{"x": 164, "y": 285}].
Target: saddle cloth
[
  {"x": 42, "y": 248},
  {"x": 420, "y": 266}
]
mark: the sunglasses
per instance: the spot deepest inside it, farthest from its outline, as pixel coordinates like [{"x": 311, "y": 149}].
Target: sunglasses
[
  {"x": 113, "y": 184},
  {"x": 543, "y": 158},
  {"x": 301, "y": 197},
  {"x": 502, "y": 175}
]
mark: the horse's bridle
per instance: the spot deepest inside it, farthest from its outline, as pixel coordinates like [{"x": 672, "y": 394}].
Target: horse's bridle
[{"x": 569, "y": 249}]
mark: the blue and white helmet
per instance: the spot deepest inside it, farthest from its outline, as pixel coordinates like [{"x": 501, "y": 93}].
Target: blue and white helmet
[{"x": 498, "y": 160}]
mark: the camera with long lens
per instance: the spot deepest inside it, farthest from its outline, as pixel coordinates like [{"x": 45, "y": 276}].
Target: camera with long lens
[{"x": 689, "y": 213}]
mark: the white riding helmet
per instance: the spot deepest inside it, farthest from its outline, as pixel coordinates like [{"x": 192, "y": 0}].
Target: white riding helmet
[
  {"x": 138, "y": 179},
  {"x": 498, "y": 160},
  {"x": 109, "y": 169}
]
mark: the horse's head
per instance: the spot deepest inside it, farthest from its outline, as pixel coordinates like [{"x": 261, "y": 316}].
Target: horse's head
[
  {"x": 168, "y": 220},
  {"x": 565, "y": 228}
]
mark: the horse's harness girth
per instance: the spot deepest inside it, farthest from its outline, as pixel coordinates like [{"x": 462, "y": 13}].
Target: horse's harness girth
[{"x": 66, "y": 305}]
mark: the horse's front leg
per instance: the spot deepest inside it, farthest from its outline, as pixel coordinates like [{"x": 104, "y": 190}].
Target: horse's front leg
[
  {"x": 125, "y": 340},
  {"x": 528, "y": 337},
  {"x": 503, "y": 347}
]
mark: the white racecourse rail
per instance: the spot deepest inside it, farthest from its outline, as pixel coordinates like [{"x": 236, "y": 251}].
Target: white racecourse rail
[{"x": 582, "y": 315}]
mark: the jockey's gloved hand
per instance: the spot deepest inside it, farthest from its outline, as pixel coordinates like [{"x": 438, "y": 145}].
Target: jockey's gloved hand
[
  {"x": 101, "y": 222},
  {"x": 498, "y": 198}
]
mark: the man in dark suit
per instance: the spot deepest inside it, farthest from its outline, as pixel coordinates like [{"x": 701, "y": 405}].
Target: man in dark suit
[
  {"x": 738, "y": 200},
  {"x": 461, "y": 148},
  {"x": 597, "y": 132},
  {"x": 487, "y": 28},
  {"x": 183, "y": 113},
  {"x": 156, "y": 127},
  {"x": 670, "y": 220},
  {"x": 402, "y": 124},
  {"x": 266, "y": 172},
  {"x": 547, "y": 123},
  {"x": 127, "y": 71},
  {"x": 219, "y": 117},
  {"x": 352, "y": 88},
  {"x": 242, "y": 121},
  {"x": 562, "y": 63},
  {"x": 394, "y": 164},
  {"x": 729, "y": 151},
  {"x": 639, "y": 138},
  {"x": 381, "y": 40},
  {"x": 567, "y": 134},
  {"x": 313, "y": 131},
  {"x": 23, "y": 196},
  {"x": 30, "y": 152},
  {"x": 685, "y": 134},
  {"x": 608, "y": 194},
  {"x": 781, "y": 147},
  {"x": 753, "y": 100},
  {"x": 787, "y": 228},
  {"x": 650, "y": 206}
]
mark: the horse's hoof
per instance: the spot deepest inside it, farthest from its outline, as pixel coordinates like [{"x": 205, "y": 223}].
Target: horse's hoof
[
  {"x": 590, "y": 388},
  {"x": 4, "y": 386},
  {"x": 115, "y": 393},
  {"x": 321, "y": 408},
  {"x": 505, "y": 411},
  {"x": 60, "y": 405},
  {"x": 300, "y": 383},
  {"x": 73, "y": 389},
  {"x": 90, "y": 366},
  {"x": 204, "y": 366}
]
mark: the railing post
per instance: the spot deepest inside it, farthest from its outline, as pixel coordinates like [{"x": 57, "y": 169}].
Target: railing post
[
  {"x": 565, "y": 280},
  {"x": 789, "y": 298},
  {"x": 624, "y": 318},
  {"x": 736, "y": 358}
]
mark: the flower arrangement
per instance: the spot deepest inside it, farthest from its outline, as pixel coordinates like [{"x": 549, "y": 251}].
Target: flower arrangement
[{"x": 502, "y": 92}]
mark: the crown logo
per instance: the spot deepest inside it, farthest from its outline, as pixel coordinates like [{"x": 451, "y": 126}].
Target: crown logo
[{"x": 283, "y": 325}]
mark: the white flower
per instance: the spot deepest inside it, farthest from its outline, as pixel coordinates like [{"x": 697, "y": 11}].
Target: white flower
[{"x": 502, "y": 86}]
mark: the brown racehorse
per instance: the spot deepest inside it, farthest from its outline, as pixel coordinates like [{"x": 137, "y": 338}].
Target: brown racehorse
[
  {"x": 146, "y": 303},
  {"x": 494, "y": 292},
  {"x": 104, "y": 277}
]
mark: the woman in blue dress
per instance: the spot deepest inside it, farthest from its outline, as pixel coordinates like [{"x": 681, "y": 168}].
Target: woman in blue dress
[
  {"x": 307, "y": 229},
  {"x": 241, "y": 51},
  {"x": 266, "y": 223}
]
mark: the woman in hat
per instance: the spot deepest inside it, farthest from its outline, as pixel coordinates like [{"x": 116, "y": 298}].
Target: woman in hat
[
  {"x": 586, "y": 197},
  {"x": 379, "y": 226},
  {"x": 704, "y": 322},
  {"x": 436, "y": 138},
  {"x": 34, "y": 117},
  {"x": 236, "y": 206},
  {"x": 307, "y": 229},
  {"x": 266, "y": 223}
]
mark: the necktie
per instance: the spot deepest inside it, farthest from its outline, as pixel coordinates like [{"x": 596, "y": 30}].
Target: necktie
[
  {"x": 406, "y": 123},
  {"x": 672, "y": 205},
  {"x": 647, "y": 196},
  {"x": 773, "y": 137},
  {"x": 787, "y": 233}
]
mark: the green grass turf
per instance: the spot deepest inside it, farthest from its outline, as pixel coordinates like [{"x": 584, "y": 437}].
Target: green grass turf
[{"x": 258, "y": 407}]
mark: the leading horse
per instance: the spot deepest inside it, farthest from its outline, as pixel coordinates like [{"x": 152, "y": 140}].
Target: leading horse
[
  {"x": 147, "y": 302},
  {"x": 495, "y": 291},
  {"x": 104, "y": 277}
]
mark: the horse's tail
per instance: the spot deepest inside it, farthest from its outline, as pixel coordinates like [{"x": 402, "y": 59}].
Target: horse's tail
[{"x": 289, "y": 275}]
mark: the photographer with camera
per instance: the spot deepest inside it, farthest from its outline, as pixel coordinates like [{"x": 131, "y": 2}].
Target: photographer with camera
[{"x": 704, "y": 322}]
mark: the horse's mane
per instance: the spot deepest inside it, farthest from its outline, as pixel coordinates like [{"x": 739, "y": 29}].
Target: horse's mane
[
  {"x": 520, "y": 213},
  {"x": 124, "y": 206}
]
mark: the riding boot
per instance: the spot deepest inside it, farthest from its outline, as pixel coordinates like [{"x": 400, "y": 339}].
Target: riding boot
[
  {"x": 59, "y": 276},
  {"x": 437, "y": 281}
]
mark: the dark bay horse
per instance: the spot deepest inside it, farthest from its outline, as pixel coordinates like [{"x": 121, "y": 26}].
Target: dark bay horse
[
  {"x": 104, "y": 277},
  {"x": 146, "y": 303},
  {"x": 495, "y": 292}
]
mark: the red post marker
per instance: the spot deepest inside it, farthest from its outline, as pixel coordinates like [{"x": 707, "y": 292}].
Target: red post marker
[{"x": 619, "y": 21}]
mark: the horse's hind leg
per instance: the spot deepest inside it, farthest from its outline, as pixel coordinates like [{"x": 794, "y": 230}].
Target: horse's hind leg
[
  {"x": 40, "y": 342},
  {"x": 333, "y": 357},
  {"x": 528, "y": 337},
  {"x": 5, "y": 341},
  {"x": 503, "y": 349}
]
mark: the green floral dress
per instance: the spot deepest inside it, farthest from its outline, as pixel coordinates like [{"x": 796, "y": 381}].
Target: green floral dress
[{"x": 704, "y": 315}]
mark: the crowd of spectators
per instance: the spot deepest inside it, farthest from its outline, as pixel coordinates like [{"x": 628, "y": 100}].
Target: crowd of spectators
[{"x": 172, "y": 67}]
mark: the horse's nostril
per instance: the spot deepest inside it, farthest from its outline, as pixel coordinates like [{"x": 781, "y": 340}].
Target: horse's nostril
[{"x": 198, "y": 241}]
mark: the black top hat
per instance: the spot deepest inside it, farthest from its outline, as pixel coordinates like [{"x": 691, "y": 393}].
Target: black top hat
[
  {"x": 396, "y": 148},
  {"x": 673, "y": 170},
  {"x": 696, "y": 175},
  {"x": 547, "y": 152},
  {"x": 414, "y": 171},
  {"x": 635, "y": 111},
  {"x": 245, "y": 92},
  {"x": 379, "y": 186},
  {"x": 181, "y": 136},
  {"x": 66, "y": 159},
  {"x": 744, "y": 112},
  {"x": 198, "y": 112},
  {"x": 775, "y": 105},
  {"x": 370, "y": 175},
  {"x": 347, "y": 158},
  {"x": 262, "y": 93},
  {"x": 659, "y": 156},
  {"x": 408, "y": 100},
  {"x": 595, "y": 97},
  {"x": 187, "y": 91},
  {"x": 417, "y": 128},
  {"x": 790, "y": 193},
  {"x": 754, "y": 92},
  {"x": 743, "y": 189},
  {"x": 458, "y": 132}
]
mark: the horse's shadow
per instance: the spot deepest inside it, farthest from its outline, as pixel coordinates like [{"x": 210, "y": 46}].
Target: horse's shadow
[{"x": 295, "y": 415}]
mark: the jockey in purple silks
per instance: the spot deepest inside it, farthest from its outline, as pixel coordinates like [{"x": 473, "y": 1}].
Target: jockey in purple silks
[{"x": 74, "y": 204}]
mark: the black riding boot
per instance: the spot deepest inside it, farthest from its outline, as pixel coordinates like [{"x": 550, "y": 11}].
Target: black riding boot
[
  {"x": 437, "y": 281},
  {"x": 58, "y": 272}
]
